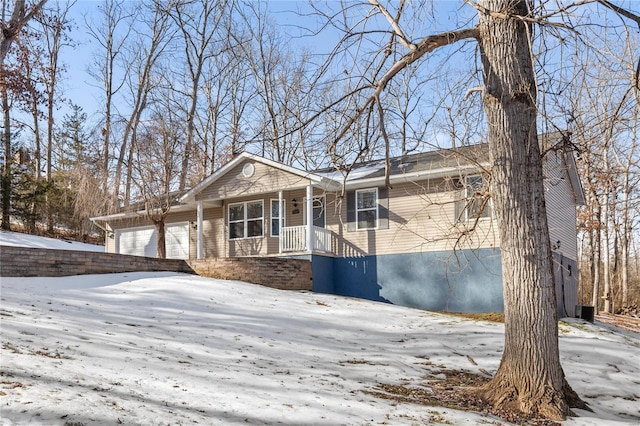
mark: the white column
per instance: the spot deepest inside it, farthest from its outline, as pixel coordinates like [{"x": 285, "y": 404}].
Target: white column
[
  {"x": 200, "y": 230},
  {"x": 280, "y": 220},
  {"x": 310, "y": 218}
]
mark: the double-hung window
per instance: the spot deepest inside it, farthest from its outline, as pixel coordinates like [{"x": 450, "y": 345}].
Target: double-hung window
[
  {"x": 477, "y": 203},
  {"x": 246, "y": 220},
  {"x": 367, "y": 208},
  {"x": 275, "y": 217}
]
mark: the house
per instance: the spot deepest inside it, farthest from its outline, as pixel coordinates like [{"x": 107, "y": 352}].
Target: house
[{"x": 428, "y": 241}]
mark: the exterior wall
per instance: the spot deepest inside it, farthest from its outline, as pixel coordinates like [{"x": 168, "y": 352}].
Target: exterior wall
[
  {"x": 265, "y": 179},
  {"x": 464, "y": 281},
  {"x": 281, "y": 273},
  {"x": 214, "y": 234},
  {"x": 422, "y": 217},
  {"x": 561, "y": 206}
]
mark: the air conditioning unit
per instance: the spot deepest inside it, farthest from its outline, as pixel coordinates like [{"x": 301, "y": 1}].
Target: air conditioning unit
[{"x": 585, "y": 312}]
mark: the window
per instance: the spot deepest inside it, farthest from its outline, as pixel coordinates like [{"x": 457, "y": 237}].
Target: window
[
  {"x": 319, "y": 217},
  {"x": 246, "y": 220},
  {"x": 476, "y": 198},
  {"x": 275, "y": 217},
  {"x": 366, "y": 208}
]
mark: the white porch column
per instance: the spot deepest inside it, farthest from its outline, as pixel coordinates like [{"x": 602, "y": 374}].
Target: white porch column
[
  {"x": 280, "y": 221},
  {"x": 310, "y": 218},
  {"x": 200, "y": 231}
]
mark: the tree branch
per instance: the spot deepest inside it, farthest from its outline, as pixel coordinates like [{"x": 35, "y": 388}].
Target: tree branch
[
  {"x": 394, "y": 24},
  {"x": 620, "y": 11}
]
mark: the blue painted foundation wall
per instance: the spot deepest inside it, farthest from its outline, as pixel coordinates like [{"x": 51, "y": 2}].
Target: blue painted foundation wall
[{"x": 464, "y": 281}]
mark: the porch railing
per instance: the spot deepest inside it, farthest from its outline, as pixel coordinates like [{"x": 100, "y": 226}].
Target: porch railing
[{"x": 294, "y": 238}]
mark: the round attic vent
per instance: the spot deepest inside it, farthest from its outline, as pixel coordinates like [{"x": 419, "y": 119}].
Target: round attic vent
[{"x": 248, "y": 170}]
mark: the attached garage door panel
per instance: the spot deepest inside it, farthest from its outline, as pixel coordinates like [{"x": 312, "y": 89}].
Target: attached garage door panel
[
  {"x": 138, "y": 242},
  {"x": 177, "y": 241}
]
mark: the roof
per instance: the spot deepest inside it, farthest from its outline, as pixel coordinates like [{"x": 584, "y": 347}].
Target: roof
[
  {"x": 413, "y": 167},
  {"x": 407, "y": 168}
]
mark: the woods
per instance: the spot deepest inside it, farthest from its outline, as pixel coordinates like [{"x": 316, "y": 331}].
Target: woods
[{"x": 186, "y": 85}]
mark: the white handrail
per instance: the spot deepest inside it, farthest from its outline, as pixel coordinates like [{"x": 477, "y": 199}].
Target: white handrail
[{"x": 294, "y": 239}]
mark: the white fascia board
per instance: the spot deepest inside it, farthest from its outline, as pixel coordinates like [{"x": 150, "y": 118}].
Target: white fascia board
[
  {"x": 574, "y": 179},
  {"x": 413, "y": 177},
  {"x": 140, "y": 213}
]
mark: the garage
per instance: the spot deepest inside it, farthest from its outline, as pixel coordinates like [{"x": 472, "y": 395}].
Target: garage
[
  {"x": 143, "y": 241},
  {"x": 177, "y": 240}
]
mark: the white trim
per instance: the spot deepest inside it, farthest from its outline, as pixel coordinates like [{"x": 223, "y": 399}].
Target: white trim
[
  {"x": 245, "y": 219},
  {"x": 376, "y": 208},
  {"x": 200, "y": 230},
  {"x": 324, "y": 206}
]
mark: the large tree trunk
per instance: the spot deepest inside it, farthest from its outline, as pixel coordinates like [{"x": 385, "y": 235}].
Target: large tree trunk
[
  {"x": 8, "y": 160},
  {"x": 162, "y": 247},
  {"x": 530, "y": 376}
]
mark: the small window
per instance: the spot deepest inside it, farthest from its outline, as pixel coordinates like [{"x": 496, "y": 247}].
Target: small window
[
  {"x": 246, "y": 220},
  {"x": 367, "y": 208},
  {"x": 476, "y": 198},
  {"x": 275, "y": 217}
]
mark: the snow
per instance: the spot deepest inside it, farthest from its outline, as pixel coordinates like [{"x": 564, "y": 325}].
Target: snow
[
  {"x": 356, "y": 173},
  {"x": 17, "y": 239},
  {"x": 164, "y": 348}
]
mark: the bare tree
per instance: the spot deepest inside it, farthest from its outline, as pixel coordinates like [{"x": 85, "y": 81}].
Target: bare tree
[
  {"x": 144, "y": 57},
  {"x": 11, "y": 27},
  {"x": 156, "y": 167},
  {"x": 530, "y": 376},
  {"x": 111, "y": 32},
  {"x": 198, "y": 22}
]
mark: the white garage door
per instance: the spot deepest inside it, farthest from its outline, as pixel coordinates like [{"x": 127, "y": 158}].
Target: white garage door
[
  {"x": 137, "y": 241},
  {"x": 177, "y": 241}
]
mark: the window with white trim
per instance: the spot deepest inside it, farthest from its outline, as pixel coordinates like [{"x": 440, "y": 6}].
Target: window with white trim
[
  {"x": 476, "y": 198},
  {"x": 275, "y": 217},
  {"x": 246, "y": 220},
  {"x": 367, "y": 208}
]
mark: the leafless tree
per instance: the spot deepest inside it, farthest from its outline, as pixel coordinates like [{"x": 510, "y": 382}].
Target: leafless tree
[
  {"x": 13, "y": 21},
  {"x": 199, "y": 23},
  {"x": 111, "y": 31},
  {"x": 530, "y": 375}
]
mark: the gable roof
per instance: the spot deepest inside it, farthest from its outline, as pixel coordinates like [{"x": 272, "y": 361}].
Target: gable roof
[{"x": 315, "y": 179}]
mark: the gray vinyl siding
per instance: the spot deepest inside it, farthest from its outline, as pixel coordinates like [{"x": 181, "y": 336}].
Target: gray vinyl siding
[{"x": 561, "y": 206}]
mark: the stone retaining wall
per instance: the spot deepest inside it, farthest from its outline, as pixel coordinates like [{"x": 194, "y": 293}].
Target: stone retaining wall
[{"x": 282, "y": 273}]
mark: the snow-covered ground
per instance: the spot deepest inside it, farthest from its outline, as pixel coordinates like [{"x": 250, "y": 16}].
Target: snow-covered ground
[
  {"x": 162, "y": 348},
  {"x": 17, "y": 239}
]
